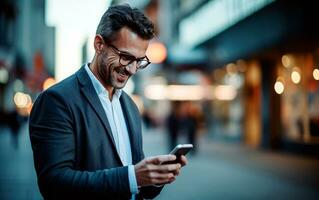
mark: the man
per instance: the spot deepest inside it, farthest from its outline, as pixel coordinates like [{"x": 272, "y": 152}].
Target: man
[{"x": 86, "y": 132}]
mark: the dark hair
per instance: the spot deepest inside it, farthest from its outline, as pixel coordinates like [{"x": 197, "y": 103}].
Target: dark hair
[{"x": 119, "y": 16}]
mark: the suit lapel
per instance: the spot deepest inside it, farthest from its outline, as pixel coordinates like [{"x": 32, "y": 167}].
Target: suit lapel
[
  {"x": 89, "y": 92},
  {"x": 132, "y": 126}
]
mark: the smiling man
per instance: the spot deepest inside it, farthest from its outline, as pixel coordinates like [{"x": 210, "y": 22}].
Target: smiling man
[{"x": 86, "y": 132}]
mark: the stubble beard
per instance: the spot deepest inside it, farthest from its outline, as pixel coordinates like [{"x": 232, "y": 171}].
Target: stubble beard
[
  {"x": 115, "y": 71},
  {"x": 108, "y": 73}
]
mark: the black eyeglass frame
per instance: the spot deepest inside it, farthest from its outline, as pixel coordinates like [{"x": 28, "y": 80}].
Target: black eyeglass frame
[{"x": 131, "y": 58}]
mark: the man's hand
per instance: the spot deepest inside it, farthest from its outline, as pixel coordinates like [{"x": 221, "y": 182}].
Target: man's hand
[
  {"x": 150, "y": 171},
  {"x": 183, "y": 162}
]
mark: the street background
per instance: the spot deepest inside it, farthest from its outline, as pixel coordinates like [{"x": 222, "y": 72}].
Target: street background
[
  {"x": 218, "y": 171},
  {"x": 239, "y": 79}
]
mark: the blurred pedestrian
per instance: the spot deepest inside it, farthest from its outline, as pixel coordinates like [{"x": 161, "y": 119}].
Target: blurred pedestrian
[
  {"x": 86, "y": 131},
  {"x": 191, "y": 124},
  {"x": 148, "y": 119},
  {"x": 173, "y": 123},
  {"x": 182, "y": 120}
]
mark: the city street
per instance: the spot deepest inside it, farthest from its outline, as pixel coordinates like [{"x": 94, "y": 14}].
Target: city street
[
  {"x": 239, "y": 79},
  {"x": 219, "y": 170}
]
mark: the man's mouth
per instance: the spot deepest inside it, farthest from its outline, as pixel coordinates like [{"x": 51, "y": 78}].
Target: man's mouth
[{"x": 122, "y": 74}]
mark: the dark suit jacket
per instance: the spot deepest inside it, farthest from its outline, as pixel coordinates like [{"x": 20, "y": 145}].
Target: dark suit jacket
[{"x": 74, "y": 152}]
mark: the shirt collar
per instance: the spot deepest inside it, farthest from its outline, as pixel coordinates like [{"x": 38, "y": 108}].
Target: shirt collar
[{"x": 99, "y": 88}]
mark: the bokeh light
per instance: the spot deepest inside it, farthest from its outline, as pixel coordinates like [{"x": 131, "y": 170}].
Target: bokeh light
[
  {"x": 156, "y": 52},
  {"x": 48, "y": 83},
  {"x": 315, "y": 74},
  {"x": 295, "y": 77},
  {"x": 279, "y": 87}
]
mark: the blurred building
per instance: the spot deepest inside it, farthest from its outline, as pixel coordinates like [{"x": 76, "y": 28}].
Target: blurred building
[
  {"x": 260, "y": 59},
  {"x": 266, "y": 42},
  {"x": 27, "y": 54}
]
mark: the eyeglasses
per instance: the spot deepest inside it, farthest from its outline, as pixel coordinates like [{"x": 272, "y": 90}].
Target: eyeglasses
[{"x": 127, "y": 59}]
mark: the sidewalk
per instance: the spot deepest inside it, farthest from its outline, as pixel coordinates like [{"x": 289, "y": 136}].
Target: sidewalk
[
  {"x": 218, "y": 171},
  {"x": 232, "y": 171},
  {"x": 17, "y": 174}
]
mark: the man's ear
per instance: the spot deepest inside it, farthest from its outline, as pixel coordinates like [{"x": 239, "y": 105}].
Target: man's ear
[{"x": 98, "y": 44}]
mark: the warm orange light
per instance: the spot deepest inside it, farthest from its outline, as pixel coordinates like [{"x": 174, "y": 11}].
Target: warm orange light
[
  {"x": 156, "y": 92},
  {"x": 225, "y": 92},
  {"x": 22, "y": 100},
  {"x": 279, "y": 87},
  {"x": 156, "y": 52},
  {"x": 286, "y": 61},
  {"x": 315, "y": 74},
  {"x": 185, "y": 92},
  {"x": 295, "y": 77},
  {"x": 48, "y": 83},
  {"x": 178, "y": 92},
  {"x": 23, "y": 103}
]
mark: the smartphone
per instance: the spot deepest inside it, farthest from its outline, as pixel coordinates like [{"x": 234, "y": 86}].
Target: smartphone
[{"x": 178, "y": 151}]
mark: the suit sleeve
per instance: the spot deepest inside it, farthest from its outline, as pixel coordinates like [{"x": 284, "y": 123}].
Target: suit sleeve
[
  {"x": 147, "y": 192},
  {"x": 52, "y": 136}
]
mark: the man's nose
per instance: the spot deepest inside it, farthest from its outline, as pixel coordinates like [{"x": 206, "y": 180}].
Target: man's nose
[{"x": 131, "y": 68}]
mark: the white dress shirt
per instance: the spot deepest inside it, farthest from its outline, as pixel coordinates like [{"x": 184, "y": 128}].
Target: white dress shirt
[{"x": 116, "y": 119}]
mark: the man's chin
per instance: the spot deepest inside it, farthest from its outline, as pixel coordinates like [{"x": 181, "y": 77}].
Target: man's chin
[{"x": 119, "y": 85}]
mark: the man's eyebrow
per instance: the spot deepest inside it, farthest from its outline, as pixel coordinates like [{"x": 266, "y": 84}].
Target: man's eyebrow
[
  {"x": 126, "y": 52},
  {"x": 129, "y": 54}
]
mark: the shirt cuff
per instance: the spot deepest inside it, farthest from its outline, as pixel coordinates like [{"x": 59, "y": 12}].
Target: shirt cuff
[{"x": 132, "y": 180}]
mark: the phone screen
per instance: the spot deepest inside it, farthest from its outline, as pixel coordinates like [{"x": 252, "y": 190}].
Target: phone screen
[{"x": 181, "y": 149}]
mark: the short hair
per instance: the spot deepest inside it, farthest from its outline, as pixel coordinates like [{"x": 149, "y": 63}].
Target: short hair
[{"x": 119, "y": 16}]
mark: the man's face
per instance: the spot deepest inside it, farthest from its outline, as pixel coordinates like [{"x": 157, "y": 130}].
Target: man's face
[{"x": 110, "y": 71}]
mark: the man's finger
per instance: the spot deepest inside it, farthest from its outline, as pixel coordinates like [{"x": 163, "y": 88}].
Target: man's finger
[
  {"x": 161, "y": 181},
  {"x": 160, "y": 159},
  {"x": 167, "y": 168},
  {"x": 183, "y": 160},
  {"x": 176, "y": 172},
  {"x": 156, "y": 175}
]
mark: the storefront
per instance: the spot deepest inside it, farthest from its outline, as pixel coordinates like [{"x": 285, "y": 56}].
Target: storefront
[{"x": 279, "y": 100}]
